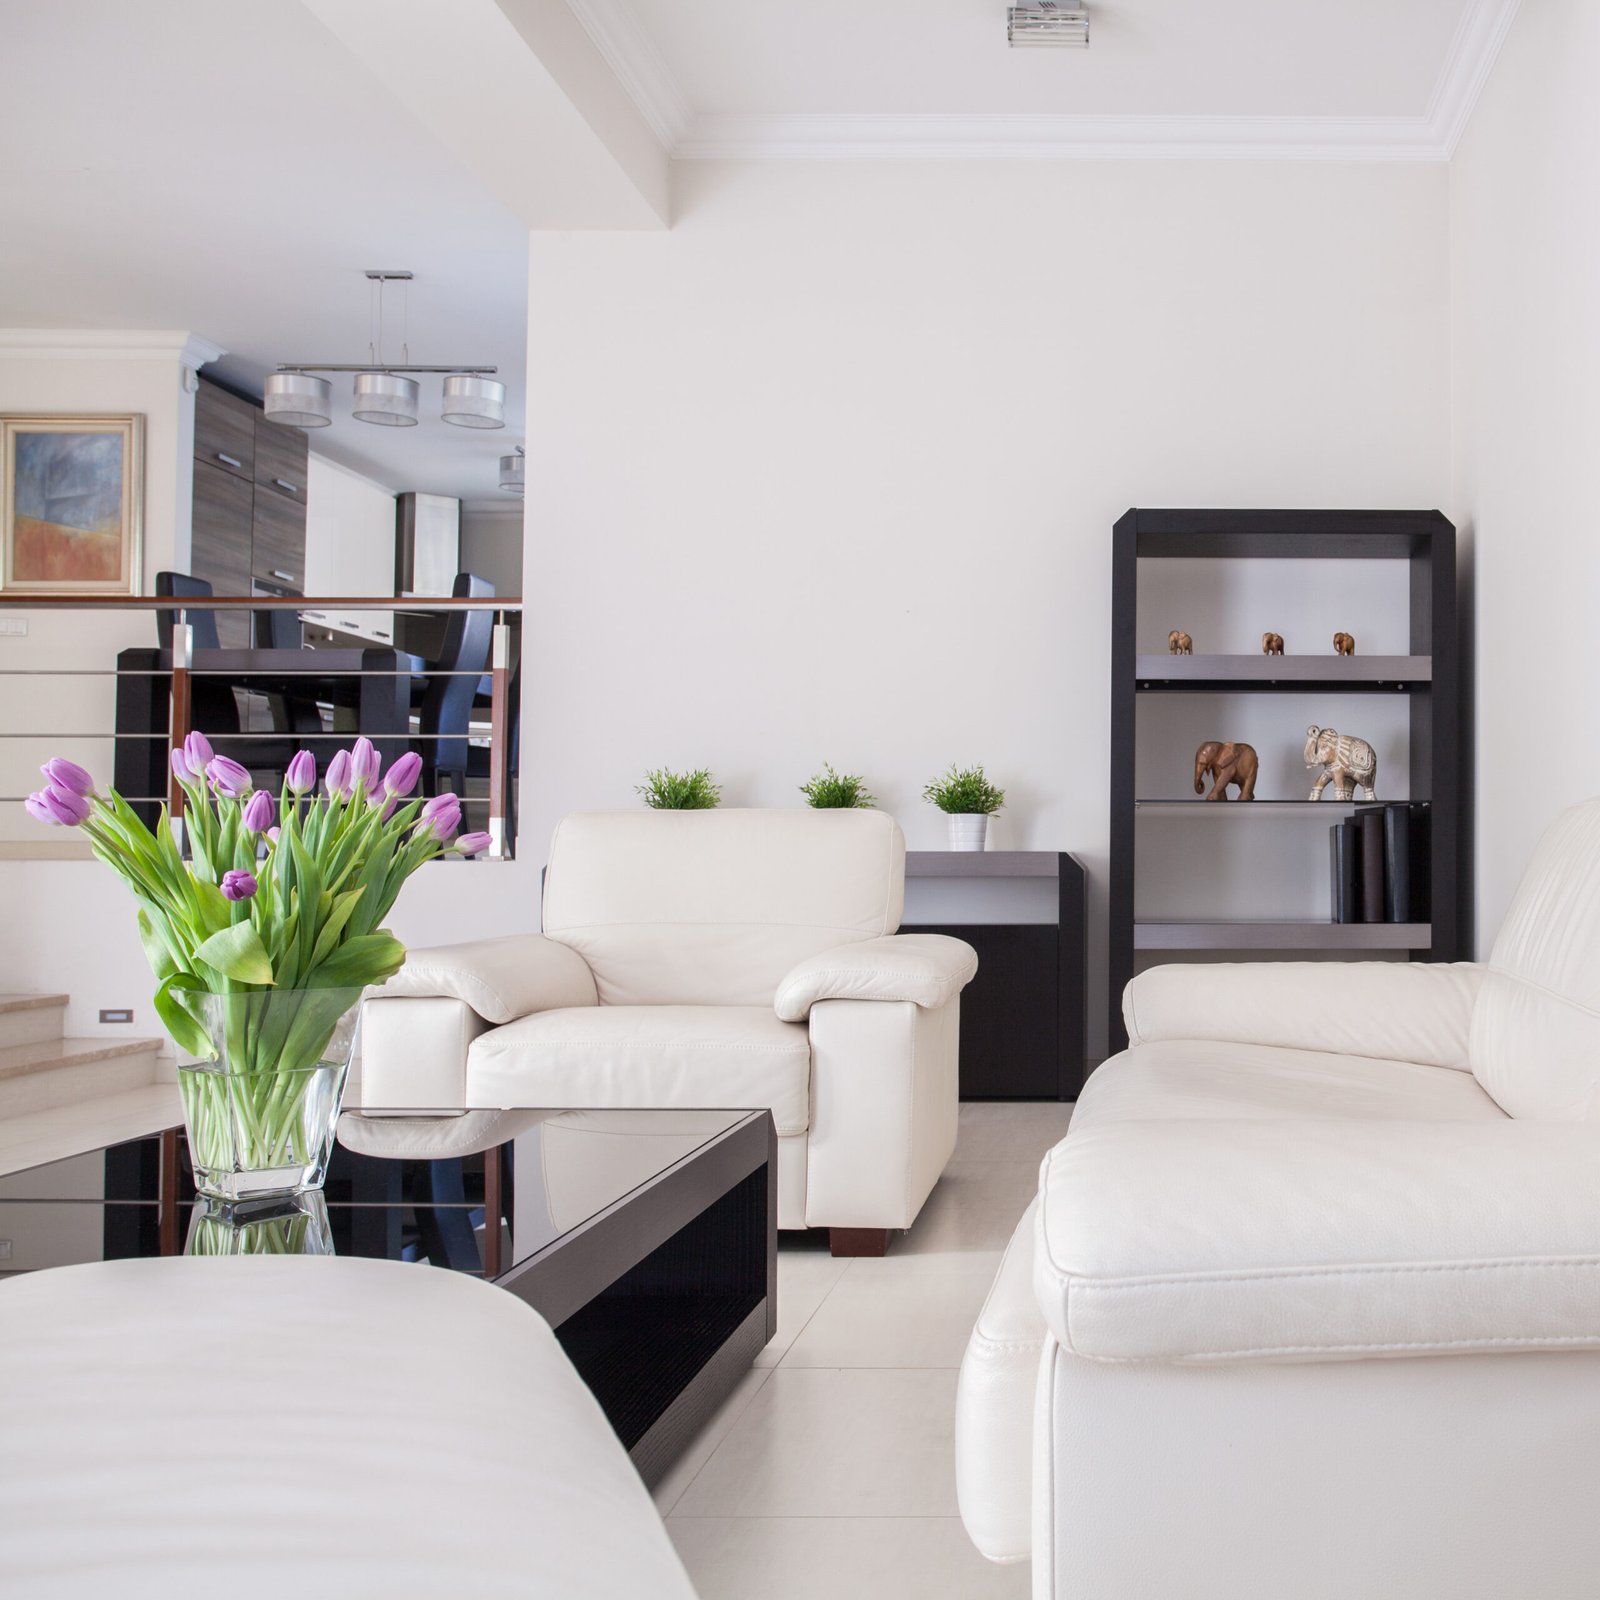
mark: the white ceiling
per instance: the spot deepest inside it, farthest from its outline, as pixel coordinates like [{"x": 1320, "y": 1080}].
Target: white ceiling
[
  {"x": 1391, "y": 78},
  {"x": 227, "y": 167}
]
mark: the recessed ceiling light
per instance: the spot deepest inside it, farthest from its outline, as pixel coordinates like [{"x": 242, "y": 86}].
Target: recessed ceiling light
[{"x": 1046, "y": 22}]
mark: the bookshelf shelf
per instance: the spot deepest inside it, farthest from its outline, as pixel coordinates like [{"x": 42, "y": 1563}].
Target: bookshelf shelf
[{"x": 1425, "y": 680}]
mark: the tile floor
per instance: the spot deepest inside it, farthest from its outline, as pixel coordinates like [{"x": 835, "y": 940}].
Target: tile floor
[{"x": 829, "y": 1474}]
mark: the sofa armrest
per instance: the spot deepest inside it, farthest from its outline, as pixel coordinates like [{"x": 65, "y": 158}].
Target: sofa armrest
[
  {"x": 1319, "y": 1239},
  {"x": 928, "y": 969},
  {"x": 1394, "y": 1010},
  {"x": 499, "y": 979}
]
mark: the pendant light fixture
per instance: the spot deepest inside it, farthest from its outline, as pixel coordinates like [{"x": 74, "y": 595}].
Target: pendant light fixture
[
  {"x": 511, "y": 474},
  {"x": 298, "y": 399},
  {"x": 384, "y": 393}
]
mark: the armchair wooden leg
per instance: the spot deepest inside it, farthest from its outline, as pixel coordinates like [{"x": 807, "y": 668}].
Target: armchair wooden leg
[{"x": 858, "y": 1241}]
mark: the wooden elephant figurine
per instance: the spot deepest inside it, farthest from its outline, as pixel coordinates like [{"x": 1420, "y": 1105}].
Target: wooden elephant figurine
[
  {"x": 1346, "y": 762},
  {"x": 1227, "y": 763},
  {"x": 1272, "y": 644},
  {"x": 1343, "y": 644},
  {"x": 1179, "y": 643}
]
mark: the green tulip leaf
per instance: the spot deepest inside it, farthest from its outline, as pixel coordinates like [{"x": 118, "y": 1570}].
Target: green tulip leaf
[
  {"x": 182, "y": 1028},
  {"x": 368, "y": 958},
  {"x": 155, "y": 948},
  {"x": 237, "y": 953}
]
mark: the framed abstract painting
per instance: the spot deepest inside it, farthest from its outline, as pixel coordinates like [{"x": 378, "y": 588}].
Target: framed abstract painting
[{"x": 71, "y": 504}]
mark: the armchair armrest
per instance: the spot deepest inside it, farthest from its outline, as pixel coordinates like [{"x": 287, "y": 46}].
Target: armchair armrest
[
  {"x": 1394, "y": 1010},
  {"x": 928, "y": 969},
  {"x": 499, "y": 979}
]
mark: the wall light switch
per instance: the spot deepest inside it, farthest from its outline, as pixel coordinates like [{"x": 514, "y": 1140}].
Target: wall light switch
[{"x": 16, "y": 627}]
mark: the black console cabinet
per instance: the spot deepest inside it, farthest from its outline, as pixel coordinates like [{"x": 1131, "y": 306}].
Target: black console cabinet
[{"x": 1023, "y": 1016}]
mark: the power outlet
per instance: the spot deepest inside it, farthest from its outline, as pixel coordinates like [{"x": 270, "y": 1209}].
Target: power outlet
[
  {"x": 5, "y": 1249},
  {"x": 118, "y": 1014},
  {"x": 14, "y": 626}
]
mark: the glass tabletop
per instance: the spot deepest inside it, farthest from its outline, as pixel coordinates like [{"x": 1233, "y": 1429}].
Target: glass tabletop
[{"x": 475, "y": 1191}]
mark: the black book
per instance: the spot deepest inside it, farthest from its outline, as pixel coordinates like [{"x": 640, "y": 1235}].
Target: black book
[
  {"x": 1420, "y": 855},
  {"x": 1346, "y": 846},
  {"x": 1397, "y": 862},
  {"x": 1371, "y": 825}
]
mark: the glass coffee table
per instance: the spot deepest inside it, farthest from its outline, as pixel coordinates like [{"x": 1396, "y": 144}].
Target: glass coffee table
[{"x": 646, "y": 1239}]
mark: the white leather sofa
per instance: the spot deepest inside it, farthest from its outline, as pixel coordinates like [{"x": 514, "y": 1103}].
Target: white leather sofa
[
  {"x": 709, "y": 959},
  {"x": 1308, "y": 1305},
  {"x": 256, "y": 1427}
]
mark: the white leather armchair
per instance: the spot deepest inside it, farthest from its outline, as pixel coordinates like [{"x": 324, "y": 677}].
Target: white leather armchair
[
  {"x": 711, "y": 959},
  {"x": 1309, "y": 1302}
]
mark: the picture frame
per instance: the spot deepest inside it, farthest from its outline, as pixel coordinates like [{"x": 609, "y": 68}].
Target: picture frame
[{"x": 71, "y": 503}]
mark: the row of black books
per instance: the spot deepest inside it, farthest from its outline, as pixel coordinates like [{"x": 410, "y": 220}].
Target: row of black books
[{"x": 1381, "y": 864}]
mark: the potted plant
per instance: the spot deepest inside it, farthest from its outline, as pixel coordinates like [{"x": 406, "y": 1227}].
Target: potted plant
[
  {"x": 664, "y": 790},
  {"x": 969, "y": 800},
  {"x": 837, "y": 791},
  {"x": 263, "y": 941}
]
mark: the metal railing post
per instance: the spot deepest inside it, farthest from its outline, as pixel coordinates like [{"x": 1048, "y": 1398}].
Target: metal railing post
[
  {"x": 499, "y": 735},
  {"x": 181, "y": 714}
]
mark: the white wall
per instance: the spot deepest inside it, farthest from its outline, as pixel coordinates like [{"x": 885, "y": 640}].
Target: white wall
[
  {"x": 1525, "y": 244},
  {"x": 828, "y": 472},
  {"x": 491, "y": 544}
]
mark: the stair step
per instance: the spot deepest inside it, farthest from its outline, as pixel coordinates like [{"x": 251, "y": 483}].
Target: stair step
[
  {"x": 30, "y": 1018},
  {"x": 58, "y": 1072}
]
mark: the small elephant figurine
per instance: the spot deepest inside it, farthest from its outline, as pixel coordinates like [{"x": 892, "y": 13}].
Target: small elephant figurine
[
  {"x": 1179, "y": 643},
  {"x": 1347, "y": 761},
  {"x": 1227, "y": 763},
  {"x": 1272, "y": 644},
  {"x": 1343, "y": 644}
]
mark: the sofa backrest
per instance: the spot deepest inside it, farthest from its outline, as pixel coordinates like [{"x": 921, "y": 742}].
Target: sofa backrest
[
  {"x": 1535, "y": 1044},
  {"x": 715, "y": 907}
]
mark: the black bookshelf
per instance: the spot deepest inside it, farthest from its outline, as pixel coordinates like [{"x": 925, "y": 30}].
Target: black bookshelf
[{"x": 1429, "y": 676}]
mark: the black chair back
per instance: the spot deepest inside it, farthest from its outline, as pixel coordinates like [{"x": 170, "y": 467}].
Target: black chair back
[
  {"x": 278, "y": 630},
  {"x": 178, "y": 586},
  {"x": 446, "y": 709}
]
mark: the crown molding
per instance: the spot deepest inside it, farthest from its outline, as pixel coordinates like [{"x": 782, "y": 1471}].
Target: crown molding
[
  {"x": 631, "y": 54},
  {"x": 691, "y": 136},
  {"x": 109, "y": 344}
]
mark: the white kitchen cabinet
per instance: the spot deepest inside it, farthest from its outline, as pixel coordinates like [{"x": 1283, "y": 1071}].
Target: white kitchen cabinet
[{"x": 349, "y": 549}]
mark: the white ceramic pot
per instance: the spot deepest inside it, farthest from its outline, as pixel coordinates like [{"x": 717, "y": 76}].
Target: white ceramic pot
[{"x": 968, "y": 830}]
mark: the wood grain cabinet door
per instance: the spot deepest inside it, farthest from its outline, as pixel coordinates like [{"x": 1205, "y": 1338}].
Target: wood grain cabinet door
[
  {"x": 220, "y": 544},
  {"x": 278, "y": 550},
  {"x": 224, "y": 431}
]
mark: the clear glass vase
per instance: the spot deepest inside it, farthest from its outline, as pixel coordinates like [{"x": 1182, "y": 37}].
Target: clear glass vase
[{"x": 261, "y": 1116}]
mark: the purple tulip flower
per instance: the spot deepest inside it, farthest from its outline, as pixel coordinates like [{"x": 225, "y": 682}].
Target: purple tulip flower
[
  {"x": 301, "y": 777},
  {"x": 260, "y": 812},
  {"x": 228, "y": 777},
  {"x": 197, "y": 752},
  {"x": 441, "y": 815},
  {"x": 338, "y": 781},
  {"x": 238, "y": 885},
  {"x": 273, "y": 834},
  {"x": 181, "y": 769},
  {"x": 68, "y": 775},
  {"x": 364, "y": 764},
  {"x": 471, "y": 844},
  {"x": 402, "y": 777},
  {"x": 58, "y": 807}
]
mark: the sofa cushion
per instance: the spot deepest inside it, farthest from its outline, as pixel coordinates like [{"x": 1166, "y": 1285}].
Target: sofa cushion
[
  {"x": 715, "y": 907},
  {"x": 1283, "y": 1210},
  {"x": 1535, "y": 1042},
  {"x": 728, "y": 1057}
]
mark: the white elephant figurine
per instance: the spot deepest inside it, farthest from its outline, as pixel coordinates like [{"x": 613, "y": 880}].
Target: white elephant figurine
[{"x": 1346, "y": 762}]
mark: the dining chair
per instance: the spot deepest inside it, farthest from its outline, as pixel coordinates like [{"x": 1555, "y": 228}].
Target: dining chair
[{"x": 445, "y": 715}]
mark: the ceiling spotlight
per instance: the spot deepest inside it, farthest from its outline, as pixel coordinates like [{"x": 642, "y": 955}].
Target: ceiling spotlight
[
  {"x": 298, "y": 399},
  {"x": 511, "y": 479},
  {"x": 474, "y": 402},
  {"x": 1047, "y": 22},
  {"x": 385, "y": 399}
]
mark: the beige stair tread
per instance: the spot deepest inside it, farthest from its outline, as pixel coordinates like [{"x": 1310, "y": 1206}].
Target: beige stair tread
[
  {"x": 19, "y": 1060},
  {"x": 29, "y": 1002}
]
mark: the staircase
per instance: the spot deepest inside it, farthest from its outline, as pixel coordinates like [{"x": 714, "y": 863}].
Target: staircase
[{"x": 41, "y": 1070}]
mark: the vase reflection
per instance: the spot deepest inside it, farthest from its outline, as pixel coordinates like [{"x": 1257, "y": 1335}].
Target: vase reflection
[{"x": 292, "y": 1225}]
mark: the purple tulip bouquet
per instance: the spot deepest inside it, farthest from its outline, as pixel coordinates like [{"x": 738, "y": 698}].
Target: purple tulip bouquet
[{"x": 263, "y": 941}]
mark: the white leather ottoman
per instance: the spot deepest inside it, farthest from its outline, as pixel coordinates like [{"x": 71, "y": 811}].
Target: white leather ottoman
[{"x": 304, "y": 1426}]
